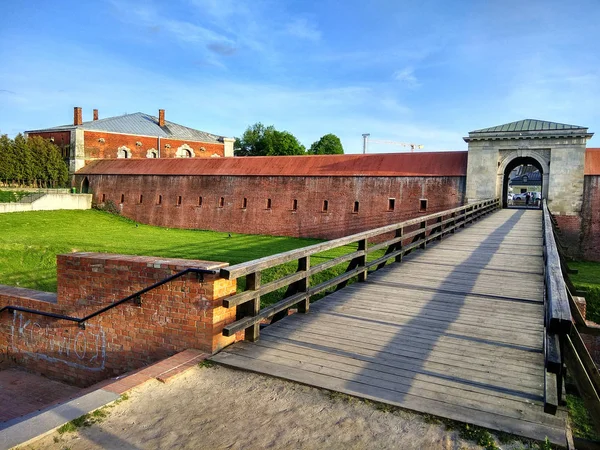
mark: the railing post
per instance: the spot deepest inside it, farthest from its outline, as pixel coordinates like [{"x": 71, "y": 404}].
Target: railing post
[
  {"x": 440, "y": 228},
  {"x": 424, "y": 234},
  {"x": 453, "y": 223},
  {"x": 399, "y": 234},
  {"x": 304, "y": 283},
  {"x": 362, "y": 260},
  {"x": 251, "y": 308}
]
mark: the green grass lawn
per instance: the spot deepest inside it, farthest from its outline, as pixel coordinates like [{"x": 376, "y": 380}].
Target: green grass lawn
[
  {"x": 588, "y": 279},
  {"x": 30, "y": 241}
]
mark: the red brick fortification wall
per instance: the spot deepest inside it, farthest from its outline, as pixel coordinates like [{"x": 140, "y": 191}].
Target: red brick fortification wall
[
  {"x": 570, "y": 237},
  {"x": 590, "y": 213},
  {"x": 217, "y": 202},
  {"x": 94, "y": 149},
  {"x": 185, "y": 313}
]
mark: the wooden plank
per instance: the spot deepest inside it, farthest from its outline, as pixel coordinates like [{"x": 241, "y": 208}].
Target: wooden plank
[
  {"x": 458, "y": 314},
  {"x": 553, "y": 358},
  {"x": 394, "y": 381},
  {"x": 550, "y": 393},
  {"x": 440, "y": 327},
  {"x": 526, "y": 311},
  {"x": 443, "y": 409},
  {"x": 415, "y": 359},
  {"x": 417, "y": 338}
]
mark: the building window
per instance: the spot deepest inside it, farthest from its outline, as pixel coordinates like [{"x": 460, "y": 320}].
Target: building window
[
  {"x": 141, "y": 198},
  {"x": 159, "y": 200},
  {"x": 244, "y": 203},
  {"x": 178, "y": 200},
  {"x": 185, "y": 151},
  {"x": 355, "y": 208},
  {"x": 391, "y": 204},
  {"x": 152, "y": 153},
  {"x": 423, "y": 205},
  {"x": 325, "y": 206},
  {"x": 199, "y": 201},
  {"x": 122, "y": 198},
  {"x": 123, "y": 152},
  {"x": 295, "y": 205},
  {"x": 269, "y": 204},
  {"x": 103, "y": 198},
  {"x": 221, "y": 202}
]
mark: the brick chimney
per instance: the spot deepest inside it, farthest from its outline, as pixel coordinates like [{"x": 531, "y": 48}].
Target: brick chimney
[
  {"x": 95, "y": 114},
  {"x": 161, "y": 117},
  {"x": 77, "y": 118}
]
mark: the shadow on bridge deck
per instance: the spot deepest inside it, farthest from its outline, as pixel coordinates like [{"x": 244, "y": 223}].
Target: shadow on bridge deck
[{"x": 455, "y": 331}]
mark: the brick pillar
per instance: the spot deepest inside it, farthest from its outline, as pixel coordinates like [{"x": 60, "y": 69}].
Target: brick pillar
[
  {"x": 77, "y": 116},
  {"x": 161, "y": 117}
]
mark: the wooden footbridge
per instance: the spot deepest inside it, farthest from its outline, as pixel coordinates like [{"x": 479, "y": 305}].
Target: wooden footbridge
[{"x": 469, "y": 329}]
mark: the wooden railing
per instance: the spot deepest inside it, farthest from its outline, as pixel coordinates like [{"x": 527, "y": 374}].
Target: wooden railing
[
  {"x": 405, "y": 237},
  {"x": 557, "y": 317},
  {"x": 578, "y": 361}
]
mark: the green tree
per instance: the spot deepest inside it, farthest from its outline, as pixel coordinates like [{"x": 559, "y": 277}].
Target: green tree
[
  {"x": 329, "y": 144},
  {"x": 259, "y": 140},
  {"x": 7, "y": 157}
]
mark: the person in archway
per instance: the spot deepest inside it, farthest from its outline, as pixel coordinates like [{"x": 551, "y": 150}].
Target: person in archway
[{"x": 527, "y": 198}]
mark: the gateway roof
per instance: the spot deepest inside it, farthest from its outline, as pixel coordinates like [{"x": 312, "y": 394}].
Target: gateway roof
[{"x": 528, "y": 125}]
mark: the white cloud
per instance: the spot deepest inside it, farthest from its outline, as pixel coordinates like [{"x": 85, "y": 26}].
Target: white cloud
[
  {"x": 407, "y": 76},
  {"x": 302, "y": 29}
]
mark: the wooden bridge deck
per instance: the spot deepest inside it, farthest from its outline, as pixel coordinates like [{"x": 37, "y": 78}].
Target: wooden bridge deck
[{"x": 454, "y": 331}]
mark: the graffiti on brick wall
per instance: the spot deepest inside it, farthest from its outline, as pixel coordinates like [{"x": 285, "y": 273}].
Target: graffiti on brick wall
[{"x": 83, "y": 349}]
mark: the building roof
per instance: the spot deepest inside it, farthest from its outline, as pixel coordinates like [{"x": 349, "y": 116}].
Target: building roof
[
  {"x": 528, "y": 129},
  {"x": 592, "y": 161},
  {"x": 533, "y": 179},
  {"x": 385, "y": 164},
  {"x": 528, "y": 125},
  {"x": 140, "y": 124}
]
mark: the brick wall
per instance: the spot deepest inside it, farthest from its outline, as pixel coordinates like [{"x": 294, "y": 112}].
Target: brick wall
[
  {"x": 185, "y": 313},
  {"x": 94, "y": 149},
  {"x": 217, "y": 202},
  {"x": 590, "y": 226},
  {"x": 62, "y": 139},
  {"x": 570, "y": 227}
]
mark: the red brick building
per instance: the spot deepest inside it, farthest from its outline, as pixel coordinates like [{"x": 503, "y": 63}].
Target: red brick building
[
  {"x": 325, "y": 196},
  {"x": 136, "y": 136}
]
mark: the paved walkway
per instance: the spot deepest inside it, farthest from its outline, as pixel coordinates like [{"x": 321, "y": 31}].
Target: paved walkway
[
  {"x": 22, "y": 393},
  {"x": 454, "y": 331}
]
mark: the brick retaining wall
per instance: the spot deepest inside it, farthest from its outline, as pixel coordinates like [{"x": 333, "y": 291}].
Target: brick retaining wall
[{"x": 185, "y": 313}]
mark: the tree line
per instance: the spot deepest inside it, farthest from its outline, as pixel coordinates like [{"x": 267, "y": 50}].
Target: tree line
[
  {"x": 32, "y": 161},
  {"x": 259, "y": 140}
]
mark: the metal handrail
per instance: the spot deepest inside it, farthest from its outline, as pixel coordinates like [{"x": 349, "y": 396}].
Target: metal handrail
[{"x": 135, "y": 296}]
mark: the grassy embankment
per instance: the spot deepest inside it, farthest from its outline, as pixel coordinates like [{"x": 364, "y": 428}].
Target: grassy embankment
[
  {"x": 30, "y": 241},
  {"x": 588, "y": 279}
]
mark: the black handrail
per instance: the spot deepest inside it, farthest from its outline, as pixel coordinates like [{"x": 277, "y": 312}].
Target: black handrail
[{"x": 135, "y": 296}]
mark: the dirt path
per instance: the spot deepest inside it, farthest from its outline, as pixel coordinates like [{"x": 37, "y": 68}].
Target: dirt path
[{"x": 219, "y": 408}]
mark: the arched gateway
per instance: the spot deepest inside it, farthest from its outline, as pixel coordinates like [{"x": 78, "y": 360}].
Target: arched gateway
[{"x": 557, "y": 150}]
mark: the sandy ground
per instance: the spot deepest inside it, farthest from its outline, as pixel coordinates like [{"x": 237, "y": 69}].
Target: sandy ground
[{"x": 220, "y": 408}]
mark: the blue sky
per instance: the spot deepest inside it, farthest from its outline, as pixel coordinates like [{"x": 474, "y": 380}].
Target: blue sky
[{"x": 425, "y": 71}]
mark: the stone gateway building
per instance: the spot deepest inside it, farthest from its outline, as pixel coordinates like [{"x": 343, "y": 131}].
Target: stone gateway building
[{"x": 137, "y": 135}]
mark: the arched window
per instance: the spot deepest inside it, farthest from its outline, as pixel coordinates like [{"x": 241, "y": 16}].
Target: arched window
[
  {"x": 152, "y": 153},
  {"x": 123, "y": 152},
  {"x": 185, "y": 151}
]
